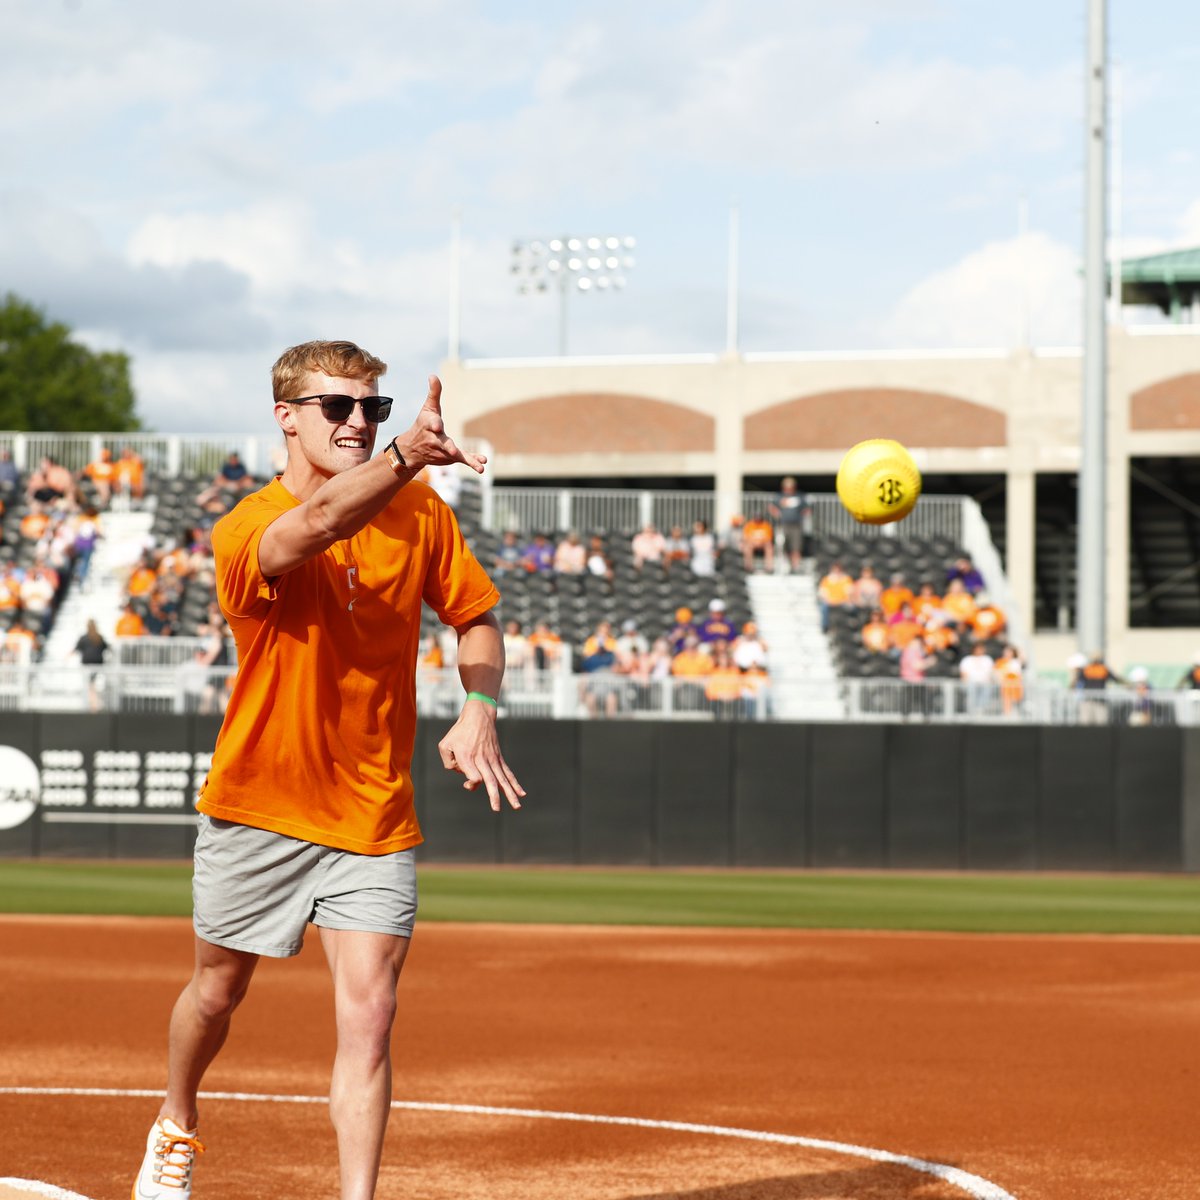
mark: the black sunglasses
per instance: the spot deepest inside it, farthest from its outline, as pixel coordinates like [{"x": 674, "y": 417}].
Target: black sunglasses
[{"x": 337, "y": 409}]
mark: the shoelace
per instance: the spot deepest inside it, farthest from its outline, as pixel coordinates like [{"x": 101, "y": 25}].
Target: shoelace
[{"x": 174, "y": 1157}]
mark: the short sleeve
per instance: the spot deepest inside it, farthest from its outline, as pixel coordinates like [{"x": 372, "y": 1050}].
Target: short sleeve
[
  {"x": 242, "y": 588},
  {"x": 457, "y": 588}
]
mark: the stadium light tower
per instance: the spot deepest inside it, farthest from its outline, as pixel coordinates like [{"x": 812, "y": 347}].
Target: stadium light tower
[{"x": 571, "y": 264}]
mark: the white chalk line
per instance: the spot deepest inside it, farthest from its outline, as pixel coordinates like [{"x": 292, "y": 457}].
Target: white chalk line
[{"x": 973, "y": 1185}]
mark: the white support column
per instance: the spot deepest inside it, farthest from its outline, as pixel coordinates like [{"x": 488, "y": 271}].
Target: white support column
[{"x": 1020, "y": 523}]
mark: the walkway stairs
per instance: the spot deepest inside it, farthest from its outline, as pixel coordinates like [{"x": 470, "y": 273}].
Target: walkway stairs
[{"x": 805, "y": 682}]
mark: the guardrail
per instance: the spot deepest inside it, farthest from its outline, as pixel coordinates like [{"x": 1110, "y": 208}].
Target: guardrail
[{"x": 187, "y": 687}]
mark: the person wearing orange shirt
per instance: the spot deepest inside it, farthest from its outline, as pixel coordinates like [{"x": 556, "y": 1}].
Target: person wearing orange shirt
[
  {"x": 926, "y": 603},
  {"x": 130, "y": 623},
  {"x": 1010, "y": 674},
  {"x": 723, "y": 687},
  {"x": 307, "y": 812},
  {"x": 835, "y": 590},
  {"x": 867, "y": 588},
  {"x": 903, "y": 627},
  {"x": 987, "y": 621},
  {"x": 102, "y": 472},
  {"x": 875, "y": 634},
  {"x": 758, "y": 540},
  {"x": 130, "y": 475},
  {"x": 958, "y": 604},
  {"x": 895, "y": 596},
  {"x": 546, "y": 645},
  {"x": 690, "y": 665},
  {"x": 143, "y": 577}
]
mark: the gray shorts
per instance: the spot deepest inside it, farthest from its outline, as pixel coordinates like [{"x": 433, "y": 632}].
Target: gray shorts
[{"x": 257, "y": 891}]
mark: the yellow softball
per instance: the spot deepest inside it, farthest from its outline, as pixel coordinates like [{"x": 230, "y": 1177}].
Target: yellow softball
[{"x": 878, "y": 481}]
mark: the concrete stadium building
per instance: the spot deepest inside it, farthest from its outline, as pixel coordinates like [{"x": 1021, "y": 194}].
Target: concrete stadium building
[{"x": 1003, "y": 426}]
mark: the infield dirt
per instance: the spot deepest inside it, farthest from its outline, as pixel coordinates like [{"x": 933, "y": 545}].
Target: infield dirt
[{"x": 1055, "y": 1067}]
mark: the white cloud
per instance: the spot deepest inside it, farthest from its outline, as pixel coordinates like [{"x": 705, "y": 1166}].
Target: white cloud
[{"x": 992, "y": 296}]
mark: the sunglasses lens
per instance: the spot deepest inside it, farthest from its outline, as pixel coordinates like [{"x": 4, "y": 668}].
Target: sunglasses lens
[{"x": 338, "y": 408}]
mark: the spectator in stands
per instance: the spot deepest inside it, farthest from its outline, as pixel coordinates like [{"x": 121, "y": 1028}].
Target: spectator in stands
[
  {"x": 1191, "y": 680},
  {"x": 658, "y": 661},
  {"x": 704, "y": 550},
  {"x": 748, "y": 649},
  {"x": 102, "y": 472},
  {"x": 600, "y": 694},
  {"x": 939, "y": 633},
  {"x": 538, "y": 555},
  {"x": 731, "y": 540},
  {"x": 570, "y": 557},
  {"x": 1093, "y": 679},
  {"x": 867, "y": 589},
  {"x": 681, "y": 629},
  {"x": 518, "y": 654},
  {"x": 895, "y": 595},
  {"x": 214, "y": 654},
  {"x": 631, "y": 645},
  {"x": 724, "y": 688},
  {"x": 1010, "y": 675},
  {"x": 716, "y": 627},
  {"x": 903, "y": 627},
  {"x": 130, "y": 481},
  {"x": 38, "y": 590},
  {"x": 758, "y": 545},
  {"x": 978, "y": 671},
  {"x": 790, "y": 510},
  {"x": 508, "y": 559},
  {"x": 20, "y": 642},
  {"x": 143, "y": 577},
  {"x": 987, "y": 621},
  {"x": 598, "y": 564},
  {"x": 546, "y": 646},
  {"x": 964, "y": 571},
  {"x": 50, "y": 484},
  {"x": 649, "y": 548},
  {"x": 677, "y": 550},
  {"x": 926, "y": 603},
  {"x": 689, "y": 664},
  {"x": 875, "y": 635},
  {"x": 914, "y": 662},
  {"x": 34, "y": 524},
  {"x": 10, "y": 479},
  {"x": 130, "y": 623},
  {"x": 10, "y": 587},
  {"x": 1141, "y": 711},
  {"x": 92, "y": 650},
  {"x": 231, "y": 481},
  {"x": 835, "y": 590},
  {"x": 85, "y": 536},
  {"x": 158, "y": 621},
  {"x": 958, "y": 605}
]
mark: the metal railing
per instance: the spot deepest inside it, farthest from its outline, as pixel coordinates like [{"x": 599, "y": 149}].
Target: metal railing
[
  {"x": 528, "y": 509},
  {"x": 188, "y": 687}
]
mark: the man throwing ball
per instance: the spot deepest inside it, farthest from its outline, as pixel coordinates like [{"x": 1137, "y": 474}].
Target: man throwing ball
[{"x": 307, "y": 813}]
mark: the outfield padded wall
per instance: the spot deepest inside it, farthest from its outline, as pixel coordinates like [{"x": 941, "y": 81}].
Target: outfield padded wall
[{"x": 687, "y": 793}]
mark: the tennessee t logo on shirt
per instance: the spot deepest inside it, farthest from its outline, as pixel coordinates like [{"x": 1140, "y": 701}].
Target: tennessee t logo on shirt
[{"x": 352, "y": 585}]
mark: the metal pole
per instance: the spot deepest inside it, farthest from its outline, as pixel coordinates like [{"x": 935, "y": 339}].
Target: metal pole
[
  {"x": 1090, "y": 623},
  {"x": 1115, "y": 284},
  {"x": 731, "y": 295},
  {"x": 453, "y": 334},
  {"x": 564, "y": 286}
]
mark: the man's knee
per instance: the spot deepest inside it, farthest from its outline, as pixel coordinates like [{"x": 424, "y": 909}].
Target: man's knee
[{"x": 218, "y": 990}]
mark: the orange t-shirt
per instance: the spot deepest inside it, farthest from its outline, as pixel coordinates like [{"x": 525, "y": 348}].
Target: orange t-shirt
[
  {"x": 142, "y": 581},
  {"x": 875, "y": 636},
  {"x": 836, "y": 590},
  {"x": 724, "y": 683},
  {"x": 960, "y": 606},
  {"x": 101, "y": 471},
  {"x": 130, "y": 625},
  {"x": 691, "y": 662},
  {"x": 922, "y": 606},
  {"x": 987, "y": 622},
  {"x": 318, "y": 736},
  {"x": 757, "y": 533},
  {"x": 894, "y": 599},
  {"x": 903, "y": 632}
]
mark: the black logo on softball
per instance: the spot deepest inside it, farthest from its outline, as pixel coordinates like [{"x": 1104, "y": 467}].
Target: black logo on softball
[{"x": 891, "y": 492}]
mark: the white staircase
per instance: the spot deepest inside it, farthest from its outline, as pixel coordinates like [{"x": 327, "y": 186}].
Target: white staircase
[
  {"x": 100, "y": 599},
  {"x": 804, "y": 680}
]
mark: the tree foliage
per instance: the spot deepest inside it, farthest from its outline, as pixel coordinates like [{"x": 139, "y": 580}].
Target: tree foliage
[{"x": 50, "y": 383}]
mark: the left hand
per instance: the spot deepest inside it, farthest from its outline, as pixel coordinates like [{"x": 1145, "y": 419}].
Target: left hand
[{"x": 472, "y": 748}]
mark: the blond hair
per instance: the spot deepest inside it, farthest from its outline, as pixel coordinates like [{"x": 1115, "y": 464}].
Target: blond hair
[{"x": 342, "y": 360}]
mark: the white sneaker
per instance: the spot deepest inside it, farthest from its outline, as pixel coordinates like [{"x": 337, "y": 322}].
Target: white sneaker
[{"x": 166, "y": 1172}]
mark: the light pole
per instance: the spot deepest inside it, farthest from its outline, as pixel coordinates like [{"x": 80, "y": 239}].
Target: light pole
[{"x": 571, "y": 264}]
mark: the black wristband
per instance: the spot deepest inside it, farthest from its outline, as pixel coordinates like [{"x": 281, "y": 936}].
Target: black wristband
[{"x": 395, "y": 459}]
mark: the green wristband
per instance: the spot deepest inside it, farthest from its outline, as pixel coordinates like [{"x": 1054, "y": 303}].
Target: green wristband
[{"x": 481, "y": 696}]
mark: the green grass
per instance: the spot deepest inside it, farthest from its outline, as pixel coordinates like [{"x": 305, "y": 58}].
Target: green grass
[{"x": 776, "y": 899}]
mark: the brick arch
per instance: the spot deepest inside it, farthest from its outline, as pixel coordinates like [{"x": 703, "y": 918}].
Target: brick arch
[
  {"x": 1169, "y": 404},
  {"x": 835, "y": 420},
  {"x": 595, "y": 423}
]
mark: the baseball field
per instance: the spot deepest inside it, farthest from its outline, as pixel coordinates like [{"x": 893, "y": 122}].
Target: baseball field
[{"x": 716, "y": 1035}]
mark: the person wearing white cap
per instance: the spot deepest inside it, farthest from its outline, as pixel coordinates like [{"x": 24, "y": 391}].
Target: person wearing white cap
[{"x": 715, "y": 627}]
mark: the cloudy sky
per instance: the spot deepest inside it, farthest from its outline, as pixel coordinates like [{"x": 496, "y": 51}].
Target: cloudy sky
[{"x": 203, "y": 185}]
